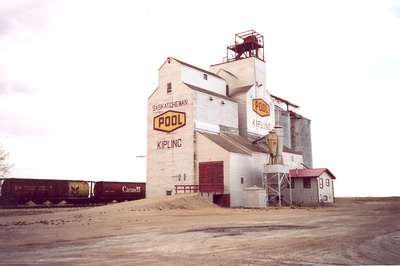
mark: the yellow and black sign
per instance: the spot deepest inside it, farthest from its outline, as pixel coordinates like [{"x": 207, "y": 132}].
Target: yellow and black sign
[
  {"x": 261, "y": 107},
  {"x": 169, "y": 121}
]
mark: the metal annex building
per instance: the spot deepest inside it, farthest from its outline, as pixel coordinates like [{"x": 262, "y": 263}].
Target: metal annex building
[{"x": 205, "y": 127}]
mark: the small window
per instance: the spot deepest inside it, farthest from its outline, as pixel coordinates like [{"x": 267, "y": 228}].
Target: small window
[
  {"x": 211, "y": 98},
  {"x": 222, "y": 102},
  {"x": 169, "y": 87},
  {"x": 242, "y": 180},
  {"x": 328, "y": 183},
  {"x": 292, "y": 184},
  {"x": 205, "y": 77},
  {"x": 307, "y": 183},
  {"x": 227, "y": 90},
  {"x": 321, "y": 183},
  {"x": 325, "y": 198}
]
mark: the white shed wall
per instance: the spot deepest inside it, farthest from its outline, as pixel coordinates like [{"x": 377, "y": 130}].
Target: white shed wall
[{"x": 326, "y": 192}]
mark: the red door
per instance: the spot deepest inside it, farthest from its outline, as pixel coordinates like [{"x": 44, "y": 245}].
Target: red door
[{"x": 211, "y": 176}]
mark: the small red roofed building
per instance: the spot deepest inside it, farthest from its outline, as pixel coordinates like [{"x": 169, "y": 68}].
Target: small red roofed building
[{"x": 312, "y": 187}]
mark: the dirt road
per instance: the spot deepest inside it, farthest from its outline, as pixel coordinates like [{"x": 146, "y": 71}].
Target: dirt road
[{"x": 189, "y": 231}]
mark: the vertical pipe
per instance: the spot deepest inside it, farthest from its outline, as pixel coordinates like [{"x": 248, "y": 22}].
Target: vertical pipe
[
  {"x": 279, "y": 133},
  {"x": 279, "y": 189},
  {"x": 290, "y": 190}
]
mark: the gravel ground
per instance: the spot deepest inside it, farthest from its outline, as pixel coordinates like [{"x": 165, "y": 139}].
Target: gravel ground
[{"x": 186, "y": 230}]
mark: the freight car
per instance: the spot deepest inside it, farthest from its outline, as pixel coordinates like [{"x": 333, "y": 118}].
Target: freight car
[
  {"x": 20, "y": 191},
  {"x": 15, "y": 191},
  {"x": 118, "y": 191}
]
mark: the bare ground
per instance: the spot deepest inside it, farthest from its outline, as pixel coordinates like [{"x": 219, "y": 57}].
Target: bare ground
[{"x": 187, "y": 230}]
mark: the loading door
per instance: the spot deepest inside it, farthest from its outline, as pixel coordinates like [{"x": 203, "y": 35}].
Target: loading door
[
  {"x": 222, "y": 200},
  {"x": 211, "y": 176}
]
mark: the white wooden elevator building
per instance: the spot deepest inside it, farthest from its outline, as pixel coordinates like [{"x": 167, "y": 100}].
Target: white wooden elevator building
[{"x": 202, "y": 126}]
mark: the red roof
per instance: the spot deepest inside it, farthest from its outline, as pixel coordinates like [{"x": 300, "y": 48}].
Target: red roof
[{"x": 316, "y": 172}]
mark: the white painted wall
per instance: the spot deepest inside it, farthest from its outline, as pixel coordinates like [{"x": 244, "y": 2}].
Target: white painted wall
[
  {"x": 195, "y": 77},
  {"x": 206, "y": 127},
  {"x": 294, "y": 161},
  {"x": 168, "y": 167},
  {"x": 326, "y": 193},
  {"x": 256, "y": 124},
  {"x": 250, "y": 168},
  {"x": 217, "y": 111},
  {"x": 259, "y": 163},
  {"x": 243, "y": 69},
  {"x": 240, "y": 166},
  {"x": 254, "y": 197}
]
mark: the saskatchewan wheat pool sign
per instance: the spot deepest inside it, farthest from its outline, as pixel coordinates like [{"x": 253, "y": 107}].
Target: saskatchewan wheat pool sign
[
  {"x": 261, "y": 107},
  {"x": 169, "y": 121}
]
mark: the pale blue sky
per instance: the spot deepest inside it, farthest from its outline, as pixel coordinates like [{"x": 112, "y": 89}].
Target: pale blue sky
[{"x": 75, "y": 77}]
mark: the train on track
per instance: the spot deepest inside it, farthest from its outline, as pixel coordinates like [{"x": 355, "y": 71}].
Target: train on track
[{"x": 14, "y": 191}]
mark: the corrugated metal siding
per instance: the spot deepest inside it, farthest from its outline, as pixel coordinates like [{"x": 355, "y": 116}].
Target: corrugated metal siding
[
  {"x": 282, "y": 118},
  {"x": 301, "y": 137}
]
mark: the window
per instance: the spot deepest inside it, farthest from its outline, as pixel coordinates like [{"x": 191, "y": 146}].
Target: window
[
  {"x": 169, "y": 87},
  {"x": 328, "y": 183},
  {"x": 325, "y": 198},
  {"x": 222, "y": 102},
  {"x": 292, "y": 184},
  {"x": 321, "y": 183},
  {"x": 227, "y": 90},
  {"x": 205, "y": 77},
  {"x": 242, "y": 180},
  {"x": 307, "y": 183}
]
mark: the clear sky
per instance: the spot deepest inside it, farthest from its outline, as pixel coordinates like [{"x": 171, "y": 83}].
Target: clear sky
[{"x": 75, "y": 77}]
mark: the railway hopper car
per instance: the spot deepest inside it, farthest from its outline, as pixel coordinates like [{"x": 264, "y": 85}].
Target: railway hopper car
[
  {"x": 119, "y": 191},
  {"x": 20, "y": 191}
]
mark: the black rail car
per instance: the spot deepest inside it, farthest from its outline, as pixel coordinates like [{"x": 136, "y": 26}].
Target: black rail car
[{"x": 20, "y": 191}]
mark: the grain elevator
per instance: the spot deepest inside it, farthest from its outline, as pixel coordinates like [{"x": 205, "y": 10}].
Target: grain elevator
[{"x": 205, "y": 126}]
